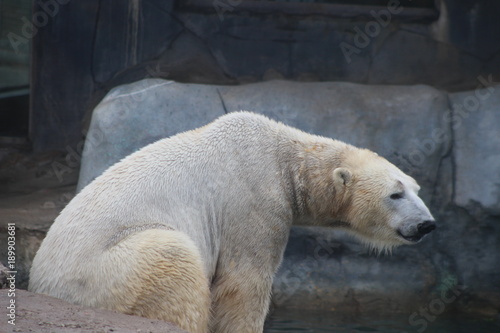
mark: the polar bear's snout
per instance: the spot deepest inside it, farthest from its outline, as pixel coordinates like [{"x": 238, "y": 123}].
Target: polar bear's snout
[
  {"x": 419, "y": 232},
  {"x": 426, "y": 227}
]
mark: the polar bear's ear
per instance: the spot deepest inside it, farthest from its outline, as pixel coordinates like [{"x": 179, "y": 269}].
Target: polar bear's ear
[{"x": 342, "y": 177}]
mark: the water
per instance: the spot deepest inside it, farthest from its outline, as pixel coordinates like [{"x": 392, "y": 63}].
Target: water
[{"x": 303, "y": 323}]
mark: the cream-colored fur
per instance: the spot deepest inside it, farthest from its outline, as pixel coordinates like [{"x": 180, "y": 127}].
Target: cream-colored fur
[{"x": 191, "y": 229}]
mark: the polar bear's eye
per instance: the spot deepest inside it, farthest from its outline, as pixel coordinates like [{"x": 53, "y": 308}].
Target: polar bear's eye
[{"x": 396, "y": 196}]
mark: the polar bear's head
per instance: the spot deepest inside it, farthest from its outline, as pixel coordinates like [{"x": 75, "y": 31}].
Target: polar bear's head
[{"x": 380, "y": 203}]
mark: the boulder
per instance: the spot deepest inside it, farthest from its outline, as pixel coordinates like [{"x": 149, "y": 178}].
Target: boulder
[
  {"x": 447, "y": 151},
  {"x": 476, "y": 125},
  {"x": 134, "y": 115},
  {"x": 402, "y": 123},
  {"x": 323, "y": 268}
]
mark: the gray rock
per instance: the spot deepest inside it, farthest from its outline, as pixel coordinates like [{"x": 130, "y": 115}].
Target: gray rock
[
  {"x": 134, "y": 42},
  {"x": 397, "y": 122},
  {"x": 134, "y": 115},
  {"x": 476, "y": 123},
  {"x": 325, "y": 269},
  {"x": 190, "y": 60},
  {"x": 409, "y": 125},
  {"x": 224, "y": 41},
  {"x": 436, "y": 63}
]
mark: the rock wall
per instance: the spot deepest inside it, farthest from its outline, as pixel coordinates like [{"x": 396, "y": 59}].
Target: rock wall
[
  {"x": 448, "y": 142},
  {"x": 447, "y": 45}
]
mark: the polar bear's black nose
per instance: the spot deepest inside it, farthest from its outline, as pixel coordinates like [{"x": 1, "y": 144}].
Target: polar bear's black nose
[{"x": 426, "y": 227}]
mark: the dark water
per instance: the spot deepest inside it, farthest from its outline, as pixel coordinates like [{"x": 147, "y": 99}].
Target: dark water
[{"x": 303, "y": 323}]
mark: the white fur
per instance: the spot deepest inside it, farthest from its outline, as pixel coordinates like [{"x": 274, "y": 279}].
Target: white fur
[{"x": 203, "y": 218}]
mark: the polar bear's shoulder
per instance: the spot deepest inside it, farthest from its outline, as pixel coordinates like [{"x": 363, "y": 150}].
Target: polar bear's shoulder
[
  {"x": 242, "y": 120},
  {"x": 246, "y": 123}
]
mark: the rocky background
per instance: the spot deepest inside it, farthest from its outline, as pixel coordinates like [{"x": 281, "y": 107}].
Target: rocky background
[
  {"x": 447, "y": 141},
  {"x": 85, "y": 48},
  {"x": 413, "y": 80}
]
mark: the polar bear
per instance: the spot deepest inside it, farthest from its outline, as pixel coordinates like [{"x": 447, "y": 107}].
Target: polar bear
[{"x": 191, "y": 229}]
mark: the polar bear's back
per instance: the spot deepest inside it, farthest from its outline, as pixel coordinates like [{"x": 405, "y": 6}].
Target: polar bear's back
[
  {"x": 185, "y": 167},
  {"x": 191, "y": 182}
]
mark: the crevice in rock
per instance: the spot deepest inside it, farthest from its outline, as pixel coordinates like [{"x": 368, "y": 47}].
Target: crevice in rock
[
  {"x": 205, "y": 44},
  {"x": 447, "y": 154},
  {"x": 222, "y": 101},
  {"x": 94, "y": 38},
  {"x": 451, "y": 152}
]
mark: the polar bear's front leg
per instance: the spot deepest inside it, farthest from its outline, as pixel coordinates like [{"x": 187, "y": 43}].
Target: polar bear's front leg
[{"x": 240, "y": 301}]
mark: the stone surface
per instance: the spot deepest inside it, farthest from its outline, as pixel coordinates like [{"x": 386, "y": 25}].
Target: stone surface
[
  {"x": 223, "y": 42},
  {"x": 327, "y": 269},
  {"x": 121, "y": 42},
  {"x": 41, "y": 313},
  {"x": 420, "y": 58},
  {"x": 396, "y": 122},
  {"x": 135, "y": 41},
  {"x": 32, "y": 215},
  {"x": 475, "y": 121},
  {"x": 34, "y": 188},
  {"x": 147, "y": 110},
  {"x": 410, "y": 125}
]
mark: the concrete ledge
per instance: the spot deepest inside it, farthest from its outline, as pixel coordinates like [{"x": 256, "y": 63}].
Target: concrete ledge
[{"x": 41, "y": 313}]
